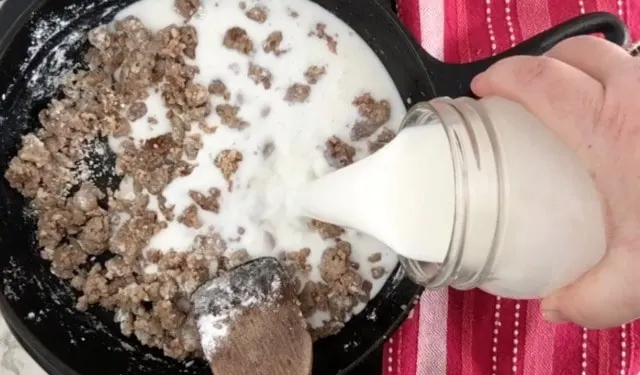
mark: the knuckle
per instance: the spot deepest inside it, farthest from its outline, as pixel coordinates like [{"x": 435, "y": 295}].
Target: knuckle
[
  {"x": 588, "y": 101},
  {"x": 617, "y": 109},
  {"x": 517, "y": 72},
  {"x": 534, "y": 69},
  {"x": 611, "y": 117}
]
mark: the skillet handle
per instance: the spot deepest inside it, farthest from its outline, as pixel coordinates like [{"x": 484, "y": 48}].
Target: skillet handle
[
  {"x": 453, "y": 80},
  {"x": 388, "y": 5}
]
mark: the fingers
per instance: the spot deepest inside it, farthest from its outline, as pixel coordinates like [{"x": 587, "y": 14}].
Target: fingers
[
  {"x": 604, "y": 297},
  {"x": 583, "y": 90},
  {"x": 561, "y": 96},
  {"x": 592, "y": 55}
]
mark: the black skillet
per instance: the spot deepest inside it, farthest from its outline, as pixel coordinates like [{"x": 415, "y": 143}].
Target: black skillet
[{"x": 39, "y": 307}]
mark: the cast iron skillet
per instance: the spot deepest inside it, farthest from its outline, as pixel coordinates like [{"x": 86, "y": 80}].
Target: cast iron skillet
[{"x": 39, "y": 307}]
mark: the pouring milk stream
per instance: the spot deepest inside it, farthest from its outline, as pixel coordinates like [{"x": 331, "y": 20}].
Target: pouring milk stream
[{"x": 471, "y": 193}]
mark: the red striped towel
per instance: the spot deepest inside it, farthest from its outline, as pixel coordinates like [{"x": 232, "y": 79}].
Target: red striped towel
[{"x": 473, "y": 333}]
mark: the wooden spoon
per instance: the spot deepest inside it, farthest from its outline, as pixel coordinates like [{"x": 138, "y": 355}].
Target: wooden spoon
[{"x": 250, "y": 322}]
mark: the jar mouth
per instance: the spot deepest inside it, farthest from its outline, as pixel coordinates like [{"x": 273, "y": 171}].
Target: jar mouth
[
  {"x": 429, "y": 274},
  {"x": 421, "y": 273},
  {"x": 476, "y": 176}
]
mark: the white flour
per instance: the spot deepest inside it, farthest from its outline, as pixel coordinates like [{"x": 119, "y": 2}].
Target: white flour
[
  {"x": 212, "y": 329},
  {"x": 217, "y": 304},
  {"x": 262, "y": 187},
  {"x": 56, "y": 65}
]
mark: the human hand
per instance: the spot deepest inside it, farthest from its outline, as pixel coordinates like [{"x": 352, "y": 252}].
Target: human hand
[{"x": 587, "y": 90}]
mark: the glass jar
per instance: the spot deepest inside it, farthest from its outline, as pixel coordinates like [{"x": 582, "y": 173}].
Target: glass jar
[{"x": 527, "y": 216}]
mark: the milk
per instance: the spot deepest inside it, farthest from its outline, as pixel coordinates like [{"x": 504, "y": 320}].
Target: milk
[
  {"x": 403, "y": 195},
  {"x": 260, "y": 200}
]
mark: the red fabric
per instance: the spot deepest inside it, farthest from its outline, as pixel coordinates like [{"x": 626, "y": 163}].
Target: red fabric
[{"x": 472, "y": 333}]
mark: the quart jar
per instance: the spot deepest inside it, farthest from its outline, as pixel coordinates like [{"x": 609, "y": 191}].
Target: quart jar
[{"x": 527, "y": 218}]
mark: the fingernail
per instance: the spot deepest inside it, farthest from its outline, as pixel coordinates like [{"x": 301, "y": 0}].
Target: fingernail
[{"x": 553, "y": 316}]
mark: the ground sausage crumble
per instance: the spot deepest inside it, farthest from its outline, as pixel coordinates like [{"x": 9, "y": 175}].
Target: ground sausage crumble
[
  {"x": 321, "y": 33},
  {"x": 257, "y": 13},
  {"x": 314, "y": 73},
  {"x": 187, "y": 8},
  {"x": 260, "y": 75},
  {"x": 272, "y": 43},
  {"x": 338, "y": 153},
  {"x": 238, "y": 39},
  {"x": 373, "y": 114},
  {"x": 297, "y": 93}
]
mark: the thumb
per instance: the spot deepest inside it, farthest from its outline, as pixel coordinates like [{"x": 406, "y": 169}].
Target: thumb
[
  {"x": 604, "y": 297},
  {"x": 563, "y": 97}
]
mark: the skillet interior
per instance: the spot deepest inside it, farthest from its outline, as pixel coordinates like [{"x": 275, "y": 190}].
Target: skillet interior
[{"x": 39, "y": 306}]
